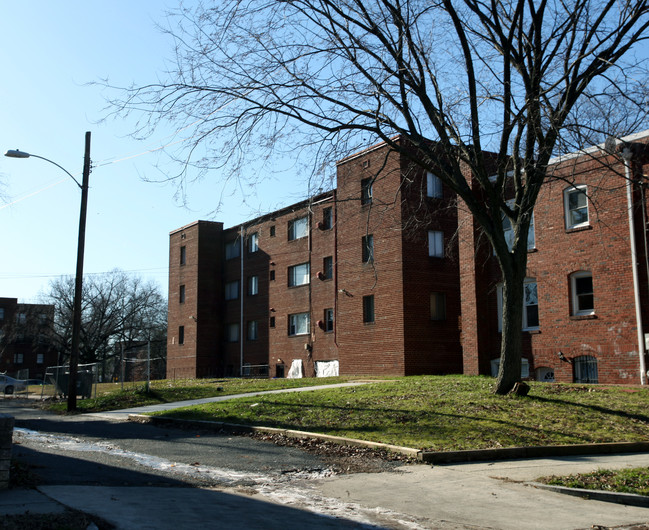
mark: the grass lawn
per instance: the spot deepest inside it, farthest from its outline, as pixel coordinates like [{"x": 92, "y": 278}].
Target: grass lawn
[
  {"x": 447, "y": 413},
  {"x": 633, "y": 480},
  {"x": 110, "y": 396}
]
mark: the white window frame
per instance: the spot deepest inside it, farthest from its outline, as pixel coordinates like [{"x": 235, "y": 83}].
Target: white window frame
[
  {"x": 232, "y": 290},
  {"x": 433, "y": 186},
  {"x": 299, "y": 324},
  {"x": 526, "y": 326},
  {"x": 40, "y": 358},
  {"x": 527, "y": 289},
  {"x": 299, "y": 274},
  {"x": 298, "y": 228},
  {"x": 253, "y": 285},
  {"x": 436, "y": 243},
  {"x": 509, "y": 232},
  {"x": 253, "y": 242},
  {"x": 574, "y": 297},
  {"x": 567, "y": 193}
]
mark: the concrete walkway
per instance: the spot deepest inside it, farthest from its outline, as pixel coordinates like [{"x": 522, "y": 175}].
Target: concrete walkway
[
  {"x": 461, "y": 496},
  {"x": 123, "y": 414}
]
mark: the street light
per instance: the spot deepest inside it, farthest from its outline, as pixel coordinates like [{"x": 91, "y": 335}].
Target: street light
[{"x": 78, "y": 284}]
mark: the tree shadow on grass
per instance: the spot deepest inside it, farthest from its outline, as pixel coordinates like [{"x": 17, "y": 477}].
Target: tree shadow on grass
[{"x": 595, "y": 408}]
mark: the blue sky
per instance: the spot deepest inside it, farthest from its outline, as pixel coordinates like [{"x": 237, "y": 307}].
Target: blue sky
[{"x": 50, "y": 52}]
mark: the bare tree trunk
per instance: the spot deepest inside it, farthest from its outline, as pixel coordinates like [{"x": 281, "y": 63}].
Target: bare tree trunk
[{"x": 509, "y": 371}]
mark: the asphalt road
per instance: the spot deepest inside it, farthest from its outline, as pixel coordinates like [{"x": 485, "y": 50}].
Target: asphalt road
[{"x": 84, "y": 450}]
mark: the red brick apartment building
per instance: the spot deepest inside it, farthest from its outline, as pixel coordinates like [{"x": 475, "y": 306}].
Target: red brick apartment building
[
  {"x": 25, "y": 338},
  {"x": 387, "y": 275}
]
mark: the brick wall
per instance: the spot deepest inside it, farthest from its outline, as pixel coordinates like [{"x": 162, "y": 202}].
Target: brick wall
[
  {"x": 602, "y": 248},
  {"x": 201, "y": 277},
  {"x": 403, "y": 339}
]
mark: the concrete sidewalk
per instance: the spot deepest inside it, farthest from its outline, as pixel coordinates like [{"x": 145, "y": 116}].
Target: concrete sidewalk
[
  {"x": 493, "y": 494},
  {"x": 123, "y": 414},
  {"x": 476, "y": 495}
]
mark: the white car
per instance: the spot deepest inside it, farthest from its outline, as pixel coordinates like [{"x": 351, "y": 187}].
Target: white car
[{"x": 9, "y": 385}]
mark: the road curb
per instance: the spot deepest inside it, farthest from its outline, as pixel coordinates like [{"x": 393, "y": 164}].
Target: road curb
[
  {"x": 511, "y": 453},
  {"x": 442, "y": 457},
  {"x": 628, "y": 499},
  {"x": 233, "y": 427}
]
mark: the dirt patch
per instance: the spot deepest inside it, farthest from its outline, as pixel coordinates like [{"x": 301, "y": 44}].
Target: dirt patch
[{"x": 341, "y": 458}]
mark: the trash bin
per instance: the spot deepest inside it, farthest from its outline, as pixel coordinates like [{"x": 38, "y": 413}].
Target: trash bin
[{"x": 84, "y": 383}]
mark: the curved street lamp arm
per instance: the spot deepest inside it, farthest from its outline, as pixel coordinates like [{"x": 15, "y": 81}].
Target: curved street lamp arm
[{"x": 60, "y": 167}]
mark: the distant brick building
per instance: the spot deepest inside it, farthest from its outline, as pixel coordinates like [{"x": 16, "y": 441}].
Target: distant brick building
[
  {"x": 26, "y": 338},
  {"x": 387, "y": 275}
]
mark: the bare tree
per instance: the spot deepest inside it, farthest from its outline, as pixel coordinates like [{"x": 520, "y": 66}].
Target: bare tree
[
  {"x": 116, "y": 307},
  {"x": 490, "y": 89}
]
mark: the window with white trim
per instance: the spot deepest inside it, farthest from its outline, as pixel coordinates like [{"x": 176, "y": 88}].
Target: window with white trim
[
  {"x": 575, "y": 204},
  {"x": 298, "y": 324},
  {"x": 509, "y": 232},
  {"x": 18, "y": 358},
  {"x": 530, "y": 305},
  {"x": 253, "y": 285},
  {"x": 297, "y": 228},
  {"x": 40, "y": 358},
  {"x": 232, "y": 290},
  {"x": 253, "y": 242},
  {"x": 436, "y": 243},
  {"x": 433, "y": 186},
  {"x": 298, "y": 275},
  {"x": 582, "y": 293}
]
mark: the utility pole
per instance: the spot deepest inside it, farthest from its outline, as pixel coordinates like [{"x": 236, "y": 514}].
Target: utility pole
[{"x": 78, "y": 284}]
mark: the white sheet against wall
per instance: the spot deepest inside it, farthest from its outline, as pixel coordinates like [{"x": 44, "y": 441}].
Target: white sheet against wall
[
  {"x": 295, "y": 372},
  {"x": 326, "y": 368}
]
